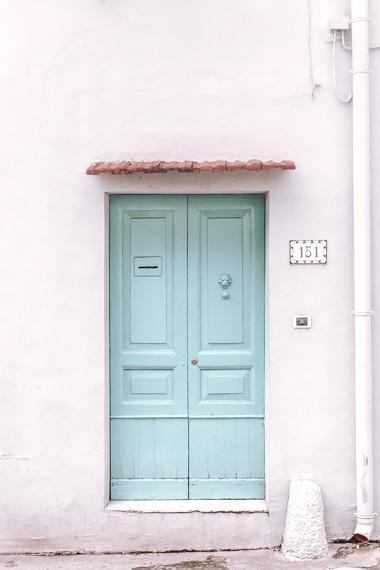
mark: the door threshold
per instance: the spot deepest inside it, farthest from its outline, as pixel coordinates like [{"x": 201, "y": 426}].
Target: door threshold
[{"x": 190, "y": 506}]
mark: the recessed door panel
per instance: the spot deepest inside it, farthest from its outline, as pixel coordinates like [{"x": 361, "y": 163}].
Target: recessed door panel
[
  {"x": 147, "y": 310},
  {"x": 187, "y": 347},
  {"x": 221, "y": 238}
]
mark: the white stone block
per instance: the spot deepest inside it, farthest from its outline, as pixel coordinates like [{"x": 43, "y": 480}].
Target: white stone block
[{"x": 304, "y": 534}]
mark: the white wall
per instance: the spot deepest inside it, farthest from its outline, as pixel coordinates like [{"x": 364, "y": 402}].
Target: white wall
[{"x": 131, "y": 79}]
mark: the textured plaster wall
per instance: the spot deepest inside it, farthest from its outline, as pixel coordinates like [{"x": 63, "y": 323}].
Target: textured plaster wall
[{"x": 132, "y": 79}]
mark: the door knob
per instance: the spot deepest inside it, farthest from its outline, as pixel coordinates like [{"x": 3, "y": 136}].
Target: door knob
[
  {"x": 224, "y": 283},
  {"x": 194, "y": 362}
]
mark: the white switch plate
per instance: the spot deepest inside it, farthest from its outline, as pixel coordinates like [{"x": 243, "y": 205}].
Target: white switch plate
[{"x": 302, "y": 321}]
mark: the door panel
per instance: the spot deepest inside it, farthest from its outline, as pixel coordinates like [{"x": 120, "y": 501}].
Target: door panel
[
  {"x": 148, "y": 356},
  {"x": 149, "y": 458},
  {"x": 226, "y": 328},
  {"x": 226, "y": 458},
  {"x": 217, "y": 254}
]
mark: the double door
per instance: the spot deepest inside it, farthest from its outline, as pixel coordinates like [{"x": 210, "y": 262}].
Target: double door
[{"x": 187, "y": 347}]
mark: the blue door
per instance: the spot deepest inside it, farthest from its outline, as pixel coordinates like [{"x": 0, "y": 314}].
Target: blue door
[{"x": 187, "y": 347}]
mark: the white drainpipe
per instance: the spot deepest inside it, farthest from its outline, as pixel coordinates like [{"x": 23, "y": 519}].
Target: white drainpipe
[{"x": 362, "y": 270}]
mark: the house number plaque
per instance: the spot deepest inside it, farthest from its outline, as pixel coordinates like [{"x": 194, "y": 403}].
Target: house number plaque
[{"x": 308, "y": 251}]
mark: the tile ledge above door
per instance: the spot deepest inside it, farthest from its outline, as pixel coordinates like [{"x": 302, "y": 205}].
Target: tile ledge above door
[{"x": 189, "y": 506}]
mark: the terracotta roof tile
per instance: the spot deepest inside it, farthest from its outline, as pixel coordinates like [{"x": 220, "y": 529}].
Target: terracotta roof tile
[{"x": 119, "y": 167}]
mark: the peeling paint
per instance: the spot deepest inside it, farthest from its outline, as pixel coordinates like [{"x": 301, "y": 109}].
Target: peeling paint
[{"x": 343, "y": 552}]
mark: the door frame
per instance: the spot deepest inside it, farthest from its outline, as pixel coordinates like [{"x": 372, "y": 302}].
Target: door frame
[{"x": 181, "y": 505}]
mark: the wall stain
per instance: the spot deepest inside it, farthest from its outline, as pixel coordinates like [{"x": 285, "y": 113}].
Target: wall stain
[
  {"x": 343, "y": 552},
  {"x": 9, "y": 456}
]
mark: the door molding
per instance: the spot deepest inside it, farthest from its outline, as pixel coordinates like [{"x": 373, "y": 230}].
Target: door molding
[{"x": 179, "y": 505}]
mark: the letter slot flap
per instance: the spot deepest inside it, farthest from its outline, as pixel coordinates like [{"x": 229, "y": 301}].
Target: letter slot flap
[{"x": 148, "y": 266}]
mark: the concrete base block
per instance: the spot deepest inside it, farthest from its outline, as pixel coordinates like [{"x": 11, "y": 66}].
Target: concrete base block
[{"x": 304, "y": 535}]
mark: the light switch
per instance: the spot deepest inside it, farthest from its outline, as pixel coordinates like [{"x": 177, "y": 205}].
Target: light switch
[{"x": 301, "y": 321}]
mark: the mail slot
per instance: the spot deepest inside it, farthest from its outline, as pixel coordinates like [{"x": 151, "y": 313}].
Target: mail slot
[{"x": 148, "y": 266}]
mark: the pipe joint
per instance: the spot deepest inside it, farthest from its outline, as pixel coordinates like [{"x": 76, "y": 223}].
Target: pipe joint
[
  {"x": 364, "y": 526},
  {"x": 361, "y": 69},
  {"x": 363, "y": 313},
  {"x": 371, "y": 516},
  {"x": 360, "y": 19}
]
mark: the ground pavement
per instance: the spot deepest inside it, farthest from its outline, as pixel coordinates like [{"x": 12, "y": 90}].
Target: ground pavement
[{"x": 342, "y": 556}]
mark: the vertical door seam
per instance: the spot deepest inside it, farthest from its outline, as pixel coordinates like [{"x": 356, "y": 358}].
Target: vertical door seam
[{"x": 187, "y": 346}]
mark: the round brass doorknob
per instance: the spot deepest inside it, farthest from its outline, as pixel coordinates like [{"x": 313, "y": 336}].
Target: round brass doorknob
[{"x": 194, "y": 362}]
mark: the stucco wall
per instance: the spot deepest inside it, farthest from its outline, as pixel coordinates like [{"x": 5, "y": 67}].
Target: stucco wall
[{"x": 126, "y": 79}]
